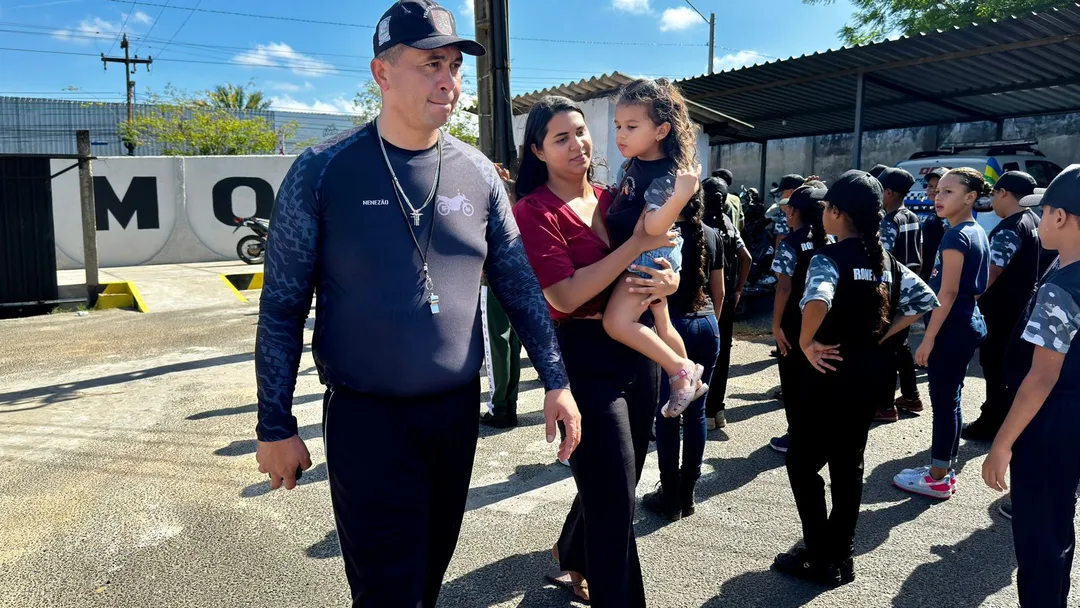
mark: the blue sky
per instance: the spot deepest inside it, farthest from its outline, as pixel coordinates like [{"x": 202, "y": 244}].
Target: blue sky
[{"x": 319, "y": 66}]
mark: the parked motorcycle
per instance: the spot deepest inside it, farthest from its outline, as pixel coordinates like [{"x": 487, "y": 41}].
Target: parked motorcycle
[{"x": 252, "y": 248}]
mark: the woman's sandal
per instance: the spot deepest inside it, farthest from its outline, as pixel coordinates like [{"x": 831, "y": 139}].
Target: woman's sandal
[
  {"x": 682, "y": 398},
  {"x": 573, "y": 581}
]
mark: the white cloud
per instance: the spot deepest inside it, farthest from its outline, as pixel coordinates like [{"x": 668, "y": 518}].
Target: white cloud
[
  {"x": 681, "y": 18},
  {"x": 289, "y": 87},
  {"x": 336, "y": 105},
  {"x": 467, "y": 9},
  {"x": 737, "y": 60},
  {"x": 638, "y": 7},
  {"x": 88, "y": 29},
  {"x": 97, "y": 28},
  {"x": 279, "y": 54},
  {"x": 139, "y": 17}
]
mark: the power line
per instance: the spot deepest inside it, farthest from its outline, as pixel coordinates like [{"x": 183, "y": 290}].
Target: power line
[
  {"x": 162, "y": 50},
  {"x": 152, "y": 26},
  {"x": 122, "y": 26}
]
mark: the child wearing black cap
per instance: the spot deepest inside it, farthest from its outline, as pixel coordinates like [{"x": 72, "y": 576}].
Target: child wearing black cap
[
  {"x": 955, "y": 329},
  {"x": 792, "y": 259},
  {"x": 1014, "y": 272},
  {"x": 1039, "y": 434},
  {"x": 901, "y": 235},
  {"x": 856, "y": 296}
]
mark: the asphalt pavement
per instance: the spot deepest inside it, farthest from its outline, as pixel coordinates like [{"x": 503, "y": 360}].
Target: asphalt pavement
[{"x": 127, "y": 478}]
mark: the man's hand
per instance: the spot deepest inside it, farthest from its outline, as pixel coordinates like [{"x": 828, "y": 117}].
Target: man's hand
[
  {"x": 281, "y": 459},
  {"x": 559, "y": 406}
]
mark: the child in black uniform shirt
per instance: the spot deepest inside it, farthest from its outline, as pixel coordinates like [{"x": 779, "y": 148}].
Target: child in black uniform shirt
[{"x": 856, "y": 296}]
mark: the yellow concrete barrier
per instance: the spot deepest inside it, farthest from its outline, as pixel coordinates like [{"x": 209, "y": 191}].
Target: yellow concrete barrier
[{"x": 121, "y": 294}]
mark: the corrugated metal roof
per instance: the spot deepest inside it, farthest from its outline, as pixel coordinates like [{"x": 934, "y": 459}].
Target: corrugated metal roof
[
  {"x": 1016, "y": 66},
  {"x": 608, "y": 84}
]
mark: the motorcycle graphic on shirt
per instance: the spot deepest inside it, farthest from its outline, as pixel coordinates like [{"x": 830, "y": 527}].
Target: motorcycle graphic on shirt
[{"x": 444, "y": 205}]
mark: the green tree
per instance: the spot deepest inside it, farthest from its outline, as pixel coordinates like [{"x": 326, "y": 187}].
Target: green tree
[
  {"x": 235, "y": 97},
  {"x": 875, "y": 20},
  {"x": 462, "y": 124},
  {"x": 184, "y": 127}
]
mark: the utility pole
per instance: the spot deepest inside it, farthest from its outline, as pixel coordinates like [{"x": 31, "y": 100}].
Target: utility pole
[
  {"x": 89, "y": 215},
  {"x": 493, "y": 82},
  {"x": 712, "y": 33},
  {"x": 130, "y": 65}
]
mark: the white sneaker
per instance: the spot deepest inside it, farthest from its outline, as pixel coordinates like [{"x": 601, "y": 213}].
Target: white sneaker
[
  {"x": 919, "y": 481},
  {"x": 565, "y": 463}
]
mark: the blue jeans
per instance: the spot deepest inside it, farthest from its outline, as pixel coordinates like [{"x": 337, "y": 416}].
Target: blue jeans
[
  {"x": 702, "y": 338},
  {"x": 671, "y": 254},
  {"x": 954, "y": 347}
]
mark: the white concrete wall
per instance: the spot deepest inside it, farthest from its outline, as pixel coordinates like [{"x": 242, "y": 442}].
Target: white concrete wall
[
  {"x": 162, "y": 210},
  {"x": 600, "y": 118}
]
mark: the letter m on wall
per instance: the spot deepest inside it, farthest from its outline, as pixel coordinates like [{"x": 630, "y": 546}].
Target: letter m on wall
[{"x": 140, "y": 202}]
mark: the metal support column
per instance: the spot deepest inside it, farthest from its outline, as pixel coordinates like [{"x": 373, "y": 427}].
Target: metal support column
[
  {"x": 856, "y": 162},
  {"x": 764, "y": 161}
]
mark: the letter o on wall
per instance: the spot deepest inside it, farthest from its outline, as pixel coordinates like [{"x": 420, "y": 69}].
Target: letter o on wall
[{"x": 223, "y": 198}]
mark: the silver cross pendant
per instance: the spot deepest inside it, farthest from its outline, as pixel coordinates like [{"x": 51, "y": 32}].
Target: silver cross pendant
[{"x": 415, "y": 217}]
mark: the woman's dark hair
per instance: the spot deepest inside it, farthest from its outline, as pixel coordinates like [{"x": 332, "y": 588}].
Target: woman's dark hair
[
  {"x": 867, "y": 222},
  {"x": 665, "y": 104},
  {"x": 973, "y": 181},
  {"x": 531, "y": 171}
]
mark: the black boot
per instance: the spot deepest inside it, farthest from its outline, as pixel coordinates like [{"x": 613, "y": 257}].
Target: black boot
[
  {"x": 686, "y": 491},
  {"x": 665, "y": 500}
]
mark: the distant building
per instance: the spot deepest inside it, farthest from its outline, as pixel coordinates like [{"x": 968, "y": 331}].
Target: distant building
[{"x": 47, "y": 126}]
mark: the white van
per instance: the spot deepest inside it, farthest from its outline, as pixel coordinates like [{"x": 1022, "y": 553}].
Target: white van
[{"x": 991, "y": 158}]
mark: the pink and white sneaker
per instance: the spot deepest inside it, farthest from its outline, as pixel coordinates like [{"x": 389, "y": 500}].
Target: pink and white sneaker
[{"x": 919, "y": 481}]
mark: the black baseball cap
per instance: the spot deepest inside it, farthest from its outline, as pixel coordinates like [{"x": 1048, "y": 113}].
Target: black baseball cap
[
  {"x": 896, "y": 180},
  {"x": 421, "y": 24},
  {"x": 938, "y": 172},
  {"x": 788, "y": 182},
  {"x": 1062, "y": 193},
  {"x": 877, "y": 169},
  {"x": 1018, "y": 183},
  {"x": 855, "y": 191},
  {"x": 805, "y": 197}
]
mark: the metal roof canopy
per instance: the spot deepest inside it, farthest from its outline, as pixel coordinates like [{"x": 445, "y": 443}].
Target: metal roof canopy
[
  {"x": 1016, "y": 66},
  {"x": 607, "y": 84}
]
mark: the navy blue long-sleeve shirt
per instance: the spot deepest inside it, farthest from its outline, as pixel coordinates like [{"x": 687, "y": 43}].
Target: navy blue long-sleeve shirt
[{"x": 338, "y": 231}]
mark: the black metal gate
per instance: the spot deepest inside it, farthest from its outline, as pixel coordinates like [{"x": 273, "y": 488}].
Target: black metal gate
[{"x": 27, "y": 243}]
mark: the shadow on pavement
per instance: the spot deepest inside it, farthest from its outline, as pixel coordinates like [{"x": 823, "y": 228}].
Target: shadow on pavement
[
  {"x": 326, "y": 548},
  {"x": 968, "y": 572},
  {"x": 246, "y": 409},
  {"x": 58, "y": 393},
  {"x": 509, "y": 578},
  {"x": 749, "y": 369},
  {"x": 526, "y": 478},
  {"x": 247, "y": 446},
  {"x": 741, "y": 413},
  {"x": 765, "y": 588}
]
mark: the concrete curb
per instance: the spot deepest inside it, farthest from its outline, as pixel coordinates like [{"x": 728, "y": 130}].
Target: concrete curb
[
  {"x": 245, "y": 281},
  {"x": 122, "y": 294}
]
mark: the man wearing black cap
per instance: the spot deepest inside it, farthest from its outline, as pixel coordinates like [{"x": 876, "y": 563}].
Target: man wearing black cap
[
  {"x": 901, "y": 234},
  {"x": 933, "y": 228},
  {"x": 1015, "y": 251},
  {"x": 391, "y": 225},
  {"x": 781, "y": 191},
  {"x": 877, "y": 170},
  {"x": 1039, "y": 435}
]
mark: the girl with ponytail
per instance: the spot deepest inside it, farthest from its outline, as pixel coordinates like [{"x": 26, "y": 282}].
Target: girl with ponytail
[
  {"x": 856, "y": 296},
  {"x": 955, "y": 330},
  {"x": 803, "y": 212}
]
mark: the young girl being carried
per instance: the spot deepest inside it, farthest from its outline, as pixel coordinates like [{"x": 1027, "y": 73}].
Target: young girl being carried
[{"x": 653, "y": 130}]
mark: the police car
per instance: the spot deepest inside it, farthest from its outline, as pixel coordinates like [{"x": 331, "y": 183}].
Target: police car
[{"x": 991, "y": 157}]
